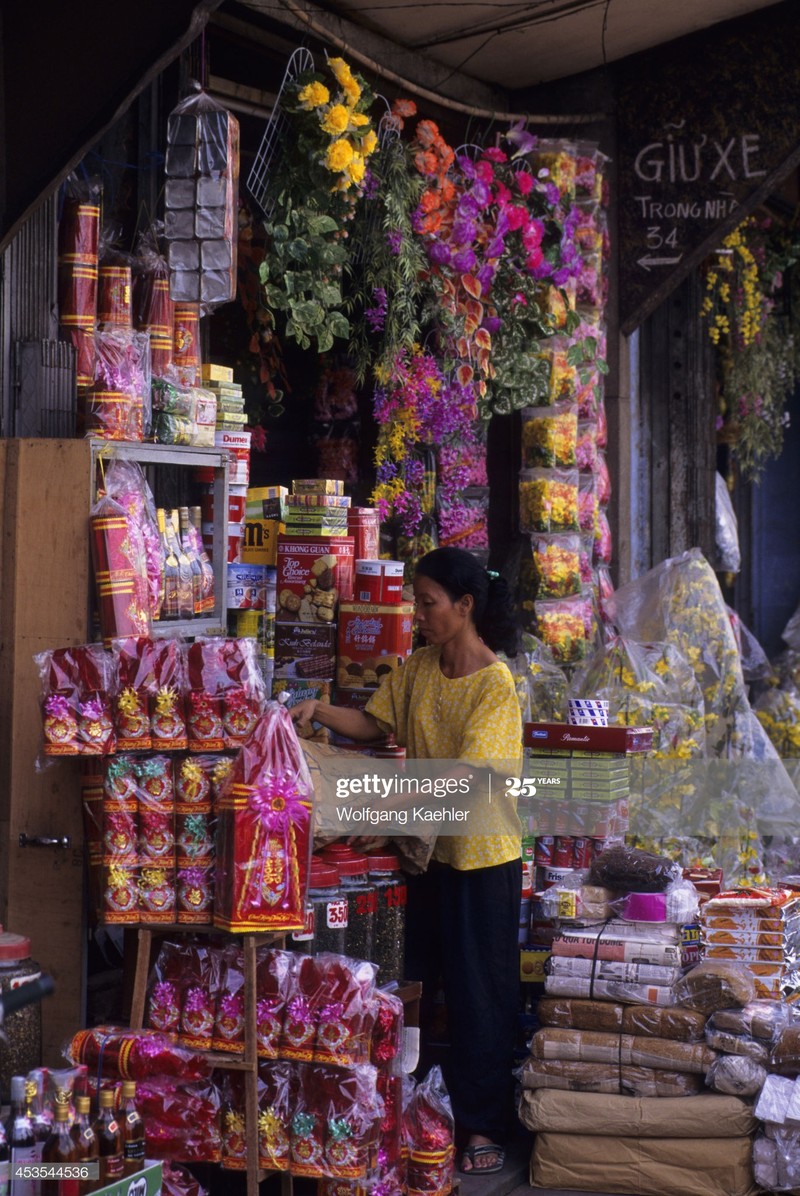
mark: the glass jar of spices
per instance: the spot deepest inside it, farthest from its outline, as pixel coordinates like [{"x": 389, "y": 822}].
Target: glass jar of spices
[
  {"x": 390, "y": 918},
  {"x": 362, "y": 898},
  {"x": 326, "y": 927},
  {"x": 21, "y": 1051}
]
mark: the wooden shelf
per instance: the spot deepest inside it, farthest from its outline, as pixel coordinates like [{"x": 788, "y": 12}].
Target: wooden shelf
[{"x": 248, "y": 1062}]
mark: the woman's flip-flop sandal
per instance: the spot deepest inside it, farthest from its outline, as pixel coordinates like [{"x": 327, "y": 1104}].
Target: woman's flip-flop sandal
[{"x": 476, "y": 1152}]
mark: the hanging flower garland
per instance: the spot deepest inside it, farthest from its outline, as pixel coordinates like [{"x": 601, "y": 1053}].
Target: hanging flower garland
[{"x": 755, "y": 327}]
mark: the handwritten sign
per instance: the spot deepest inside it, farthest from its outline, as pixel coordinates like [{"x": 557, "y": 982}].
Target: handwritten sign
[{"x": 706, "y": 128}]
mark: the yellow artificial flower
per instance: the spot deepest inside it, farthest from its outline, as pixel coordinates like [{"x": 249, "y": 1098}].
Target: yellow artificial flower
[
  {"x": 341, "y": 71},
  {"x": 339, "y": 155},
  {"x": 352, "y": 92},
  {"x": 369, "y": 143},
  {"x": 335, "y": 119},
  {"x": 359, "y": 119},
  {"x": 314, "y": 95},
  {"x": 356, "y": 169}
]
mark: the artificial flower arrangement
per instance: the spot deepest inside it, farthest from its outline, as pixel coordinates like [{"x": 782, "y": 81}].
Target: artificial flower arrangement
[
  {"x": 757, "y": 337},
  {"x": 318, "y": 177}
]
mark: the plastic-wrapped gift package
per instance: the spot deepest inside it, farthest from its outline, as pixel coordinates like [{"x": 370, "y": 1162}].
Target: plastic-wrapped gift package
[
  {"x": 157, "y": 891},
  {"x": 194, "y": 894},
  {"x": 263, "y": 833},
  {"x": 586, "y": 451},
  {"x": 549, "y": 436},
  {"x": 76, "y": 708},
  {"x": 308, "y": 1125},
  {"x": 135, "y": 1055},
  {"x": 167, "y": 710},
  {"x": 277, "y": 1084},
  {"x": 118, "y": 404},
  {"x": 226, "y": 693},
  {"x": 166, "y": 986},
  {"x": 229, "y": 1018},
  {"x": 387, "y": 1031},
  {"x": 199, "y": 997},
  {"x": 346, "y": 1014},
  {"x": 234, "y": 1122},
  {"x": 182, "y": 1120},
  {"x": 78, "y": 241},
  {"x": 202, "y": 169},
  {"x": 602, "y": 551},
  {"x": 132, "y": 670},
  {"x": 153, "y": 308},
  {"x": 429, "y": 1130},
  {"x": 353, "y": 1107},
  {"x": 548, "y": 500},
  {"x": 273, "y": 984},
  {"x": 304, "y": 997}
]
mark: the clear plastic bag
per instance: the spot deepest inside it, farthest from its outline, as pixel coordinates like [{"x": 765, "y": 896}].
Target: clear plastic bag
[
  {"x": 548, "y": 500},
  {"x": 562, "y": 626},
  {"x": 631, "y": 870},
  {"x": 556, "y": 565},
  {"x": 202, "y": 169},
  {"x": 549, "y": 436},
  {"x": 729, "y": 558},
  {"x": 736, "y": 1075},
  {"x": 118, "y": 404},
  {"x": 716, "y": 984}
]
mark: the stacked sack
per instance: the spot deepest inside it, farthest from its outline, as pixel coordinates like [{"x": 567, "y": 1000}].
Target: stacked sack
[{"x": 614, "y": 1086}]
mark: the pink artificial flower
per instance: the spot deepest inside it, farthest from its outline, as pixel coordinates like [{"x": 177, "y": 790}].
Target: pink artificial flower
[
  {"x": 534, "y": 259},
  {"x": 524, "y": 182},
  {"x": 484, "y": 171},
  {"x": 517, "y": 217},
  {"x": 502, "y": 195},
  {"x": 495, "y": 155},
  {"x": 519, "y": 300}
]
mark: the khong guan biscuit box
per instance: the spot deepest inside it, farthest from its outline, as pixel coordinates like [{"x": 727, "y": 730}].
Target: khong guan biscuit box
[
  {"x": 373, "y": 641},
  {"x": 315, "y": 574}
]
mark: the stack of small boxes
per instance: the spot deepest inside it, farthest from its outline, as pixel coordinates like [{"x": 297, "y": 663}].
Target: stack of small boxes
[
  {"x": 231, "y": 416},
  {"x": 578, "y": 786}
]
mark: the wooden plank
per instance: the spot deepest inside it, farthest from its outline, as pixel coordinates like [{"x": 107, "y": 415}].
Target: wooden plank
[
  {"x": 43, "y": 603},
  {"x": 143, "y": 945}
]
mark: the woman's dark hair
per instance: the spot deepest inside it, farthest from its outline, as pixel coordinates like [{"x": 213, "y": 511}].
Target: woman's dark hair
[{"x": 459, "y": 573}]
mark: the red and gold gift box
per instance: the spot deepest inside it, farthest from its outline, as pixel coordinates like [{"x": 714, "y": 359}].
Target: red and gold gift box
[
  {"x": 132, "y": 719},
  {"x": 195, "y": 895},
  {"x": 156, "y": 783},
  {"x": 120, "y": 832},
  {"x": 110, "y": 414},
  {"x": 192, "y": 781},
  {"x": 194, "y": 834},
  {"x": 156, "y": 836},
  {"x": 60, "y": 726},
  {"x": 263, "y": 845},
  {"x": 204, "y": 722},
  {"x": 156, "y": 892},
  {"x": 120, "y": 893},
  {"x": 197, "y": 1017},
  {"x": 274, "y": 1116},
  {"x": 168, "y": 720},
  {"x": 186, "y": 342},
  {"x": 114, "y": 296}
]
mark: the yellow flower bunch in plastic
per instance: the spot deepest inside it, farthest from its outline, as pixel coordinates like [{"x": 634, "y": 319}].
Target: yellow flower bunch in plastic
[{"x": 734, "y": 304}]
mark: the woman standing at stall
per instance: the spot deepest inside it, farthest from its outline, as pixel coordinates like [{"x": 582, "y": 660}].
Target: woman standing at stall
[{"x": 454, "y": 700}]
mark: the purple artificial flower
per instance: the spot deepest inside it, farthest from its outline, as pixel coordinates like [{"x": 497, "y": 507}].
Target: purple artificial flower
[
  {"x": 414, "y": 472},
  {"x": 492, "y": 324},
  {"x": 485, "y": 277},
  {"x": 465, "y": 261},
  {"x": 467, "y": 166},
  {"x": 394, "y": 239},
  {"x": 521, "y": 139},
  {"x": 552, "y": 194},
  {"x": 481, "y": 193},
  {"x": 386, "y": 472},
  {"x": 370, "y": 185},
  {"x": 464, "y": 232},
  {"x": 439, "y": 253},
  {"x": 467, "y": 207},
  {"x": 376, "y": 316}
]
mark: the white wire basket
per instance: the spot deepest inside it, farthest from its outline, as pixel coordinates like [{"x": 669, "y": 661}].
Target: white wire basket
[{"x": 273, "y": 143}]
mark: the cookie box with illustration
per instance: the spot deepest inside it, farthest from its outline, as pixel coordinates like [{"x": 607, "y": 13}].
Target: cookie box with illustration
[
  {"x": 373, "y": 641},
  {"x": 315, "y": 574}
]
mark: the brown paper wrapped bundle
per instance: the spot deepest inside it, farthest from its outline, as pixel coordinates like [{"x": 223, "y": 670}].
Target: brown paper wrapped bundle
[
  {"x": 589, "y": 1046},
  {"x": 609, "y": 1077},
  {"x": 682, "y": 1025}
]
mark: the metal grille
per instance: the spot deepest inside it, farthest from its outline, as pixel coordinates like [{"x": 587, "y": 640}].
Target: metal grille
[
  {"x": 273, "y": 143},
  {"x": 44, "y": 386}
]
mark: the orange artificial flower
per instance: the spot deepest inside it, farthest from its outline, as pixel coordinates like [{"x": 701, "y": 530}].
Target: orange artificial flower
[
  {"x": 404, "y": 108},
  {"x": 428, "y": 133}
]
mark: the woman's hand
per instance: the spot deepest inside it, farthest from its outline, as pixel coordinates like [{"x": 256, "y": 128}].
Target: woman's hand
[{"x": 303, "y": 713}]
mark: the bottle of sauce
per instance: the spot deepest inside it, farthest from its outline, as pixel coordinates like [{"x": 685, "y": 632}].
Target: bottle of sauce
[
  {"x": 84, "y": 1137},
  {"x": 132, "y": 1127},
  {"x": 59, "y": 1151},
  {"x": 109, "y": 1139},
  {"x": 169, "y": 607},
  {"x": 21, "y": 1139}
]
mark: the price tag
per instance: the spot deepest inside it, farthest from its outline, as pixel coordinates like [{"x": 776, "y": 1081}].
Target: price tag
[{"x": 337, "y": 915}]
